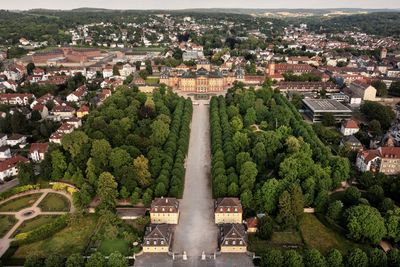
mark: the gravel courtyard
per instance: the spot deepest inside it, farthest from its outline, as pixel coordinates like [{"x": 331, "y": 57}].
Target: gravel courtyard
[{"x": 196, "y": 231}]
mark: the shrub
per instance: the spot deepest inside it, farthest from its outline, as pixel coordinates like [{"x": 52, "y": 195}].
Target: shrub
[{"x": 42, "y": 232}]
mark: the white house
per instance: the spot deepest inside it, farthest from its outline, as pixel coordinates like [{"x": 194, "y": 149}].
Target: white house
[
  {"x": 42, "y": 109},
  {"x": 8, "y": 168},
  {"x": 107, "y": 72},
  {"x": 38, "y": 151},
  {"x": 16, "y": 139},
  {"x": 78, "y": 94},
  {"x": 5, "y": 152},
  {"x": 349, "y": 127},
  {"x": 3, "y": 139}
]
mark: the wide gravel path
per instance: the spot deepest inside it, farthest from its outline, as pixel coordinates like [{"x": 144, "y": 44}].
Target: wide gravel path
[{"x": 196, "y": 231}]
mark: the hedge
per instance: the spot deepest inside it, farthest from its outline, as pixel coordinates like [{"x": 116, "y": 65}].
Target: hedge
[
  {"x": 42, "y": 232},
  {"x": 17, "y": 190}
]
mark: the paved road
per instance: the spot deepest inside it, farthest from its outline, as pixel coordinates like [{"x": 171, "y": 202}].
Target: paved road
[
  {"x": 9, "y": 185},
  {"x": 196, "y": 231}
]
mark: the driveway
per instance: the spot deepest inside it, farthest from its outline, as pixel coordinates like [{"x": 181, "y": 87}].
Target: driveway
[
  {"x": 196, "y": 231},
  {"x": 8, "y": 185}
]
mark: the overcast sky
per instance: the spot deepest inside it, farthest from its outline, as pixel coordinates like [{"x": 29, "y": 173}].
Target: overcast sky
[{"x": 181, "y": 4}]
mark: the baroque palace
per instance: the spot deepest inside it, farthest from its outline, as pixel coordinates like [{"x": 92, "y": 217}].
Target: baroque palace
[{"x": 202, "y": 78}]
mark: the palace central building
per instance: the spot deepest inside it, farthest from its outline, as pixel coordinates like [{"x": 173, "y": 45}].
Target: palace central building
[{"x": 202, "y": 79}]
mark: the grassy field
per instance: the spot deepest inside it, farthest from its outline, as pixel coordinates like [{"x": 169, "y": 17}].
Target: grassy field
[
  {"x": 289, "y": 239},
  {"x": 34, "y": 223},
  {"x": 54, "y": 202},
  {"x": 317, "y": 235},
  {"x": 20, "y": 203},
  {"x": 152, "y": 81},
  {"x": 6, "y": 223},
  {"x": 72, "y": 239},
  {"x": 109, "y": 246}
]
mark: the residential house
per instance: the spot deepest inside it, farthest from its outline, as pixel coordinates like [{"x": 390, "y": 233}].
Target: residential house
[
  {"x": 232, "y": 238},
  {"x": 63, "y": 112},
  {"x": 82, "y": 111},
  {"x": 157, "y": 239},
  {"x": 16, "y": 99},
  {"x": 384, "y": 159},
  {"x": 75, "y": 122},
  {"x": 5, "y": 152},
  {"x": 228, "y": 210},
  {"x": 8, "y": 168},
  {"x": 3, "y": 139},
  {"x": 164, "y": 210},
  {"x": 364, "y": 90},
  {"x": 38, "y": 151},
  {"x": 42, "y": 109},
  {"x": 251, "y": 224},
  {"x": 16, "y": 139},
  {"x": 78, "y": 94},
  {"x": 107, "y": 72},
  {"x": 349, "y": 127},
  {"x": 56, "y": 138},
  {"x": 352, "y": 142}
]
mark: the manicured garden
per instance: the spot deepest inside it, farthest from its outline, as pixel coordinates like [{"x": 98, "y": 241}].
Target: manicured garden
[
  {"x": 34, "y": 223},
  {"x": 54, "y": 202},
  {"x": 20, "y": 203},
  {"x": 6, "y": 223},
  {"x": 72, "y": 239}
]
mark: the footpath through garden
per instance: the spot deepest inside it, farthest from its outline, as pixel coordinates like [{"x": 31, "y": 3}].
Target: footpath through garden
[{"x": 29, "y": 213}]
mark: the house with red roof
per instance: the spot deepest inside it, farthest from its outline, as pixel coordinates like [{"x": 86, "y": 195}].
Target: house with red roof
[
  {"x": 384, "y": 159},
  {"x": 38, "y": 151},
  {"x": 9, "y": 167},
  {"x": 349, "y": 127},
  {"x": 78, "y": 94},
  {"x": 82, "y": 111},
  {"x": 42, "y": 109},
  {"x": 16, "y": 99},
  {"x": 228, "y": 210},
  {"x": 61, "y": 112}
]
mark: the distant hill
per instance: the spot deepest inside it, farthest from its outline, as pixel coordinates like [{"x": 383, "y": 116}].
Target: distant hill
[{"x": 281, "y": 12}]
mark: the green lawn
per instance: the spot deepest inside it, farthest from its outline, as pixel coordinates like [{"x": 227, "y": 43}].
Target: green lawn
[
  {"x": 317, "y": 235},
  {"x": 72, "y": 239},
  {"x": 54, "y": 202},
  {"x": 6, "y": 223},
  {"x": 109, "y": 246},
  {"x": 152, "y": 81},
  {"x": 289, "y": 239},
  {"x": 20, "y": 203},
  {"x": 34, "y": 223}
]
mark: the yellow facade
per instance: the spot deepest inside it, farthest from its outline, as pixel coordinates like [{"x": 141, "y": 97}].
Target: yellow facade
[
  {"x": 167, "y": 218},
  {"x": 81, "y": 114},
  {"x": 199, "y": 84},
  {"x": 390, "y": 166},
  {"x": 233, "y": 249},
  {"x": 155, "y": 249},
  {"x": 221, "y": 218}
]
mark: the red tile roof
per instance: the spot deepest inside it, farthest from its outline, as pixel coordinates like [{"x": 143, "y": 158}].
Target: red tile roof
[
  {"x": 12, "y": 162},
  {"x": 228, "y": 205},
  {"x": 40, "y": 147},
  {"x": 350, "y": 124}
]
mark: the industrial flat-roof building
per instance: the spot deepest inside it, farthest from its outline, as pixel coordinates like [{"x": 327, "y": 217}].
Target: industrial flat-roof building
[{"x": 316, "y": 108}]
